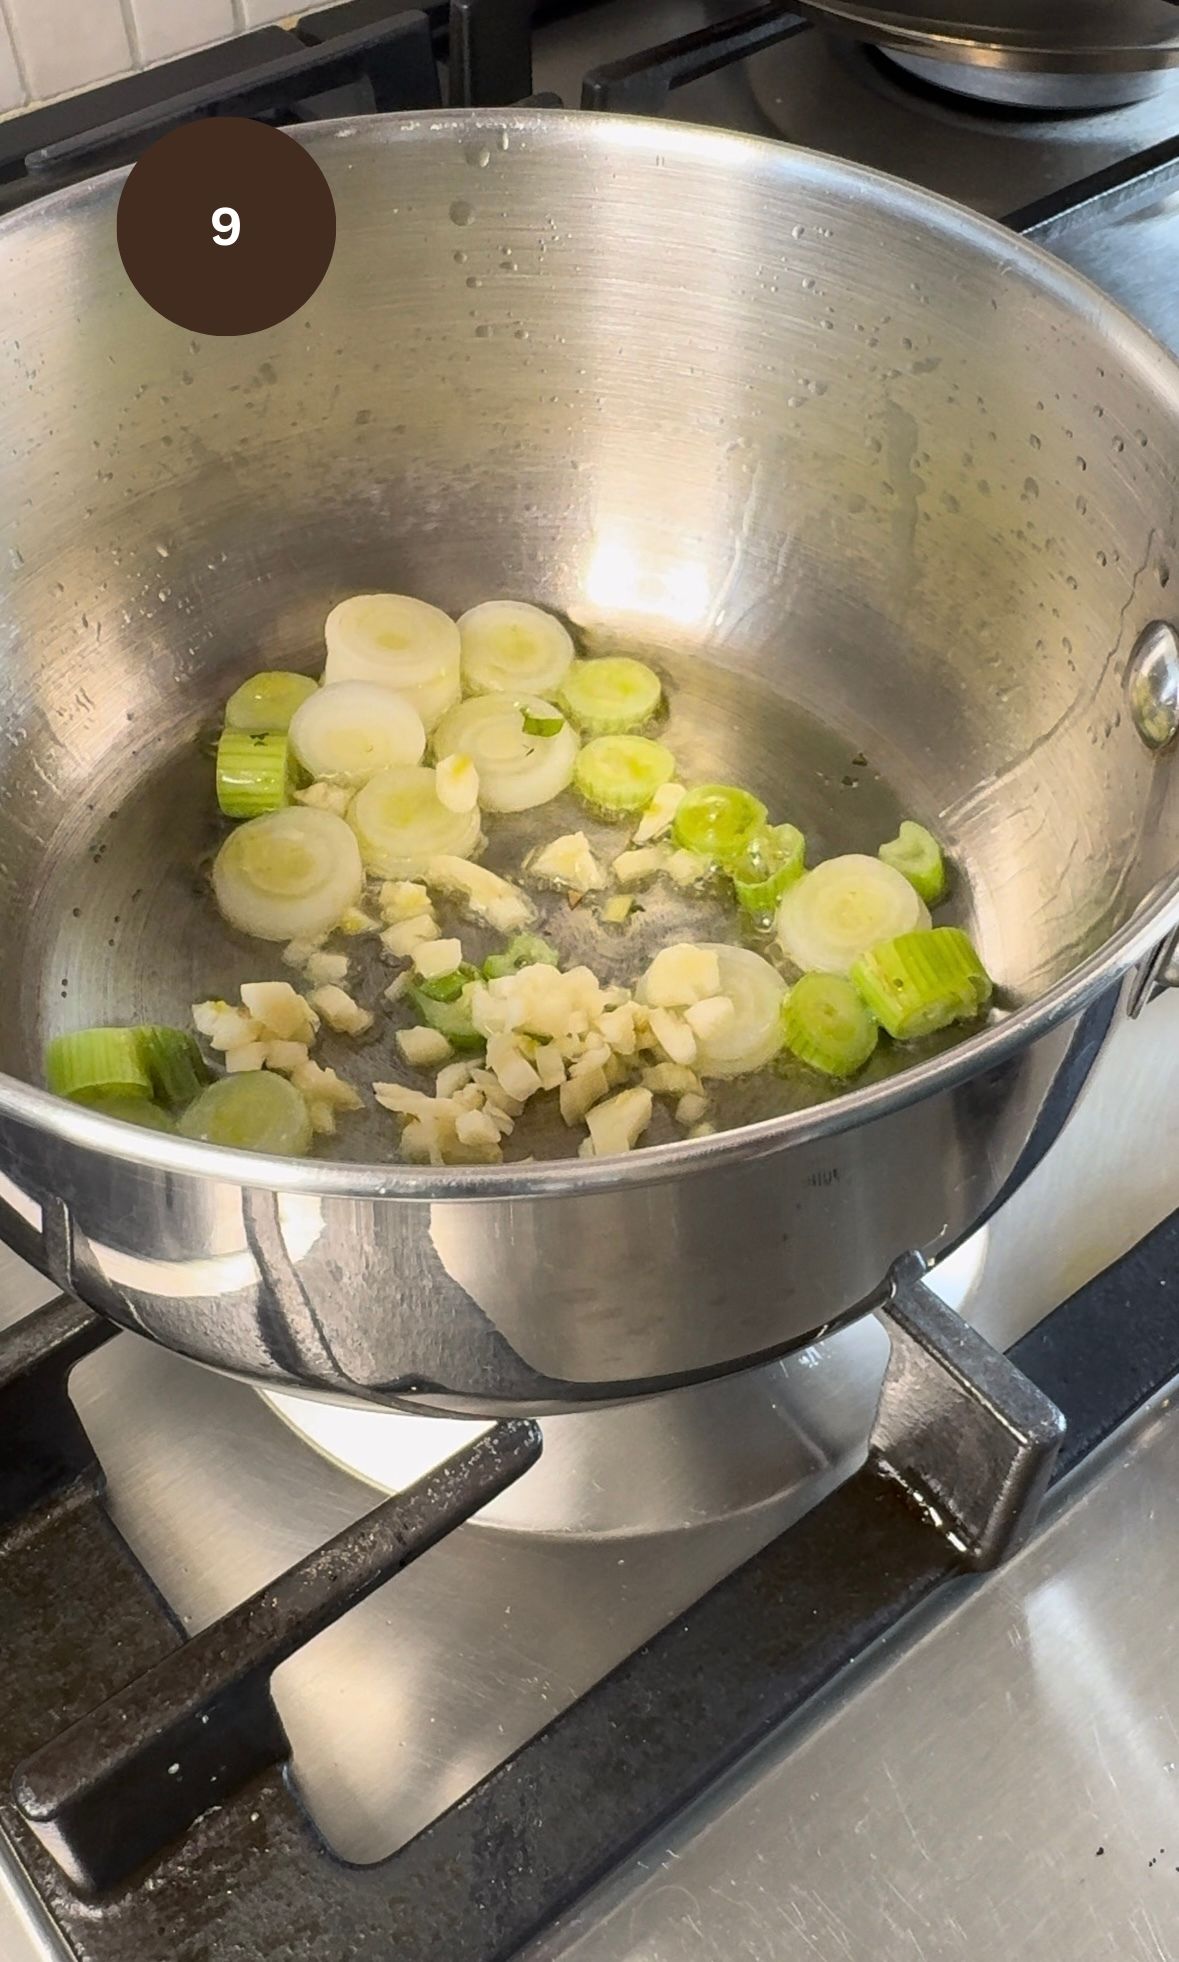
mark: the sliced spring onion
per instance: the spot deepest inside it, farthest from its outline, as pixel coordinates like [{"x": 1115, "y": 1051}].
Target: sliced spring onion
[
  {"x": 917, "y": 856},
  {"x": 402, "y": 824},
  {"x": 398, "y": 642},
  {"x": 451, "y": 1018},
  {"x": 827, "y": 1026},
  {"x": 253, "y": 773},
  {"x": 610, "y": 696},
  {"x": 97, "y": 1063},
  {"x": 832, "y": 915},
  {"x": 774, "y": 859},
  {"x": 752, "y": 1036},
  {"x": 289, "y": 876},
  {"x": 173, "y": 1062},
  {"x": 266, "y": 702},
  {"x": 526, "y": 950},
  {"x": 345, "y": 733},
  {"x": 718, "y": 821},
  {"x": 541, "y": 725},
  {"x": 255, "y": 1111},
  {"x": 446, "y": 987},
  {"x": 619, "y": 775},
  {"x": 516, "y": 770},
  {"x": 131, "y": 1110},
  {"x": 917, "y": 983},
  {"x": 509, "y": 646}
]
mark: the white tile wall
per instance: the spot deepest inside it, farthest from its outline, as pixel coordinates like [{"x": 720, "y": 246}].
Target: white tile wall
[{"x": 54, "y": 47}]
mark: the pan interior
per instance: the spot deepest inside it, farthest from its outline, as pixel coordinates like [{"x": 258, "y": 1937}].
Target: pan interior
[{"x": 885, "y": 506}]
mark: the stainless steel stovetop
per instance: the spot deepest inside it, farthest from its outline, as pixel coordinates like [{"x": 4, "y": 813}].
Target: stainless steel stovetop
[{"x": 1004, "y": 1781}]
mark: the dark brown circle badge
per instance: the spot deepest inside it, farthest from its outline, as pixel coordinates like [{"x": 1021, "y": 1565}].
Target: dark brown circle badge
[{"x": 226, "y": 226}]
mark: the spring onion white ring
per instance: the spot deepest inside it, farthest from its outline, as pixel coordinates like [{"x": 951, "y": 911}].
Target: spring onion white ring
[
  {"x": 509, "y": 647},
  {"x": 346, "y": 732},
  {"x": 399, "y": 643},
  {"x": 289, "y": 875},
  {"x": 832, "y": 915},
  {"x": 517, "y": 771},
  {"x": 401, "y": 823}
]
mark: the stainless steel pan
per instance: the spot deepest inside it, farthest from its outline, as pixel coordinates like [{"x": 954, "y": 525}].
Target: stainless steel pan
[{"x": 871, "y": 475}]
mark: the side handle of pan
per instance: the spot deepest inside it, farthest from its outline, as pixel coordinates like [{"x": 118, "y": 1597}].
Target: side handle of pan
[{"x": 1156, "y": 975}]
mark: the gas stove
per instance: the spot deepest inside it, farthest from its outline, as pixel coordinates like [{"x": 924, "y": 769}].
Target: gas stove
[{"x": 700, "y": 1680}]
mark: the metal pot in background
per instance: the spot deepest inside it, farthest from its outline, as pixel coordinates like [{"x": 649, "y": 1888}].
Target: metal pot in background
[
  {"x": 1033, "y": 54},
  {"x": 861, "y": 469}
]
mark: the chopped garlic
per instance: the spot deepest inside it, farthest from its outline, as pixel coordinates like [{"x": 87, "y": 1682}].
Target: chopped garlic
[
  {"x": 631, "y": 868},
  {"x": 484, "y": 893},
  {"x": 619, "y": 1027},
  {"x": 322, "y": 968},
  {"x": 281, "y": 1011},
  {"x": 285, "y": 1056},
  {"x": 708, "y": 1017},
  {"x": 403, "y": 1101},
  {"x": 245, "y": 1056},
  {"x": 549, "y": 1065},
  {"x": 419, "y": 1142},
  {"x": 316, "y": 1081},
  {"x": 297, "y": 953},
  {"x": 402, "y": 899},
  {"x": 673, "y": 1035},
  {"x": 456, "y": 1076},
  {"x": 619, "y": 1123},
  {"x": 568, "y": 862},
  {"x": 595, "y": 1056},
  {"x": 580, "y": 1093},
  {"x": 223, "y": 1026},
  {"x": 702, "y": 1131},
  {"x": 615, "y": 911},
  {"x": 671, "y": 1080},
  {"x": 681, "y": 975},
  {"x": 689, "y": 868},
  {"x": 340, "y": 1012},
  {"x": 323, "y": 1117},
  {"x": 433, "y": 958},
  {"x": 333, "y": 797},
  {"x": 423, "y": 1047},
  {"x": 476, "y": 1127},
  {"x": 401, "y": 938},
  {"x": 355, "y": 920},
  {"x": 659, "y": 813},
  {"x": 494, "y": 1094},
  {"x": 456, "y": 783},
  {"x": 512, "y": 1069},
  {"x": 691, "y": 1108}
]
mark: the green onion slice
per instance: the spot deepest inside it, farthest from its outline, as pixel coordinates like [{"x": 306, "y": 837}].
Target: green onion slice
[
  {"x": 611, "y": 696},
  {"x": 917, "y": 856},
  {"x": 253, "y": 773},
  {"x": 254, "y": 1111},
  {"x": 131, "y": 1110},
  {"x": 97, "y": 1063},
  {"x": 539, "y": 724},
  {"x": 718, "y": 820},
  {"x": 448, "y": 987},
  {"x": 772, "y": 860},
  {"x": 827, "y": 1026},
  {"x": 266, "y": 702},
  {"x": 451, "y": 1018},
  {"x": 921, "y": 982},
  {"x": 173, "y": 1062},
  {"x": 526, "y": 950},
  {"x": 620, "y": 774}
]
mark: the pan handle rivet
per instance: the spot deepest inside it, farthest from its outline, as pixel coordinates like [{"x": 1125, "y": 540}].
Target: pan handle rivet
[{"x": 1152, "y": 685}]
